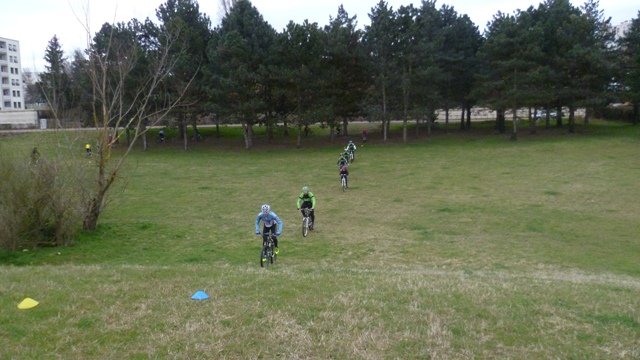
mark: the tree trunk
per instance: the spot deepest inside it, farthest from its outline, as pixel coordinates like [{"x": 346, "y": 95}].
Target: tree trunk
[
  {"x": 462, "y": 117},
  {"x": 572, "y": 119},
  {"x": 547, "y": 118},
  {"x": 468, "y": 116},
  {"x": 90, "y": 221},
  {"x": 270, "y": 125},
  {"x": 196, "y": 132},
  {"x": 299, "y": 137},
  {"x": 500, "y": 121},
  {"x": 248, "y": 135},
  {"x": 446, "y": 120},
  {"x": 636, "y": 113},
  {"x": 404, "y": 129},
  {"x": 385, "y": 136},
  {"x": 587, "y": 116},
  {"x": 559, "y": 116},
  {"x": 514, "y": 134},
  {"x": 532, "y": 123},
  {"x": 185, "y": 138}
]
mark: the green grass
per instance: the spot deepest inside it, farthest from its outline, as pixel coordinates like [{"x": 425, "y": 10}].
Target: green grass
[{"x": 461, "y": 246}]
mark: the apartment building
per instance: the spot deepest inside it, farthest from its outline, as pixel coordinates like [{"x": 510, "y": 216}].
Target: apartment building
[{"x": 12, "y": 96}]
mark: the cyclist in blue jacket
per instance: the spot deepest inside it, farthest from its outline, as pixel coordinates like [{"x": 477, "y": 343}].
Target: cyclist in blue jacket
[{"x": 272, "y": 224}]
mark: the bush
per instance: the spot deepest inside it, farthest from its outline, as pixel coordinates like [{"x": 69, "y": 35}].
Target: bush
[
  {"x": 624, "y": 113},
  {"x": 37, "y": 204}
]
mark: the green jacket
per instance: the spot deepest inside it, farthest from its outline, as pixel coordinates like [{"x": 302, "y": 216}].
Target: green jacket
[{"x": 309, "y": 197}]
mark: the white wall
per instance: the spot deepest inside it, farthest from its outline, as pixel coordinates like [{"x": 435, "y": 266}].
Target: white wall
[{"x": 19, "y": 119}]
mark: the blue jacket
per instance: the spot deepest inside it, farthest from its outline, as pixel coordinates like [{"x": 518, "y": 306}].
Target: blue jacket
[{"x": 269, "y": 219}]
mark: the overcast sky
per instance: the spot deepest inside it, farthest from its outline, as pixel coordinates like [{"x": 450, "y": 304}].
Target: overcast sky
[{"x": 34, "y": 22}]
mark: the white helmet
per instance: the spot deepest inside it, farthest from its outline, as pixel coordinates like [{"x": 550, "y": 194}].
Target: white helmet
[
  {"x": 305, "y": 189},
  {"x": 265, "y": 208}
]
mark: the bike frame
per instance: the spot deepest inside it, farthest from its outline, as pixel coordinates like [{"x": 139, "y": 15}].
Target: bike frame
[
  {"x": 305, "y": 221},
  {"x": 267, "y": 251}
]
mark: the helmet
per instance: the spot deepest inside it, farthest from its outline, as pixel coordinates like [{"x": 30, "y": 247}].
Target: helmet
[
  {"x": 305, "y": 189},
  {"x": 265, "y": 208},
  {"x": 350, "y": 141}
]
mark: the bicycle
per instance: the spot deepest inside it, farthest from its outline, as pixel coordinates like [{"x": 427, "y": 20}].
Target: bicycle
[
  {"x": 306, "y": 221},
  {"x": 267, "y": 254},
  {"x": 343, "y": 181}
]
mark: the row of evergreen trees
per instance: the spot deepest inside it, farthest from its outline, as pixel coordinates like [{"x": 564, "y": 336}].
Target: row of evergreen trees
[{"x": 406, "y": 64}]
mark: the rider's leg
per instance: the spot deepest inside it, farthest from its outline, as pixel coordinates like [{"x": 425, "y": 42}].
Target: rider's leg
[
  {"x": 274, "y": 230},
  {"x": 265, "y": 235}
]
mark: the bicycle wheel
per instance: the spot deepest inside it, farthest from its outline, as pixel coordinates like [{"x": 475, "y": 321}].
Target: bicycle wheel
[
  {"x": 264, "y": 257},
  {"x": 344, "y": 184},
  {"x": 305, "y": 226},
  {"x": 272, "y": 254}
]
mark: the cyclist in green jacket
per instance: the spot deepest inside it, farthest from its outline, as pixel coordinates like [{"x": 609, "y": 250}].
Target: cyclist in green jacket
[
  {"x": 343, "y": 159},
  {"x": 307, "y": 200}
]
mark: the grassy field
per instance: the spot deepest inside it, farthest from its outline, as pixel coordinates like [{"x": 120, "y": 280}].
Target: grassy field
[{"x": 459, "y": 247}]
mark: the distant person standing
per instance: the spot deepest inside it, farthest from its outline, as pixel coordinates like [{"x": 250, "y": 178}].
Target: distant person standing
[
  {"x": 87, "y": 149},
  {"x": 364, "y": 136}
]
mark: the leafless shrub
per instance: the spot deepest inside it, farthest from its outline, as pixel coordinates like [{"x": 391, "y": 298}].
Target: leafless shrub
[{"x": 38, "y": 204}]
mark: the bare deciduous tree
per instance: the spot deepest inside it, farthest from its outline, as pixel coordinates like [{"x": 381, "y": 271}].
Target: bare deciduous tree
[{"x": 119, "y": 104}]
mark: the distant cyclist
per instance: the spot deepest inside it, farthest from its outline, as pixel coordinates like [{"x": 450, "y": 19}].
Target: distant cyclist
[
  {"x": 307, "y": 200},
  {"x": 344, "y": 173},
  {"x": 351, "y": 149},
  {"x": 343, "y": 159},
  {"x": 272, "y": 224}
]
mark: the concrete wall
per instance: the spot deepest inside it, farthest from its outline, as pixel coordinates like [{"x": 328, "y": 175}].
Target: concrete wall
[{"x": 19, "y": 119}]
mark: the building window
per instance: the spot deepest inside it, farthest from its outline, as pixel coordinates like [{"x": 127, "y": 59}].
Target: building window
[
  {"x": 7, "y": 104},
  {"x": 4, "y": 68},
  {"x": 5, "y": 92}
]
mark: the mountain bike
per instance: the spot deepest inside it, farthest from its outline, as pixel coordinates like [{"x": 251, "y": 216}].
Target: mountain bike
[
  {"x": 343, "y": 181},
  {"x": 267, "y": 254},
  {"x": 306, "y": 221}
]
